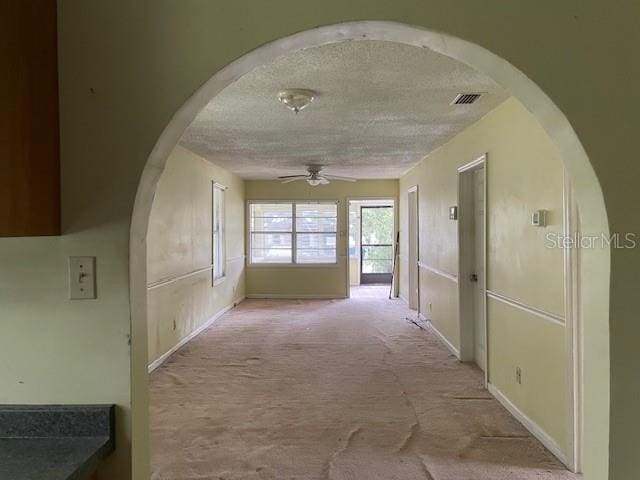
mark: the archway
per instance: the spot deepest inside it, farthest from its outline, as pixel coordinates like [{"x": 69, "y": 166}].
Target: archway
[{"x": 593, "y": 308}]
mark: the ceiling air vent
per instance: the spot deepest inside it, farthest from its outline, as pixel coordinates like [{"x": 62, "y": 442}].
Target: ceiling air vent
[{"x": 466, "y": 98}]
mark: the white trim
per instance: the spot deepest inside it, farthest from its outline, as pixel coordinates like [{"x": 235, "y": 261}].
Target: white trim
[
  {"x": 175, "y": 278},
  {"x": 163, "y": 358},
  {"x": 441, "y": 337},
  {"x": 473, "y": 164},
  {"x": 551, "y": 317},
  {"x": 295, "y": 296},
  {"x": 529, "y": 424},
  {"x": 573, "y": 331},
  {"x": 437, "y": 271},
  {"x": 403, "y": 299}
]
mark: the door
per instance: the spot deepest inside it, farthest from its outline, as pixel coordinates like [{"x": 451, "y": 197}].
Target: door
[
  {"x": 471, "y": 262},
  {"x": 376, "y": 244},
  {"x": 412, "y": 197},
  {"x": 478, "y": 268}
]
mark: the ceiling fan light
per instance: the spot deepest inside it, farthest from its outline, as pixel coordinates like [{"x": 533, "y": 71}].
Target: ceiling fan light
[{"x": 314, "y": 182}]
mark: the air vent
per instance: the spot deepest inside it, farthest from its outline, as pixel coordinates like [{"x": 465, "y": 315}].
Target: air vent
[{"x": 466, "y": 98}]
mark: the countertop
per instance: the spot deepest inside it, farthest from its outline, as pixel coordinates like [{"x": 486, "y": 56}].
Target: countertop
[{"x": 54, "y": 442}]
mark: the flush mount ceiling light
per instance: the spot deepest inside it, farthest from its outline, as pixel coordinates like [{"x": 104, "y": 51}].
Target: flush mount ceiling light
[{"x": 296, "y": 98}]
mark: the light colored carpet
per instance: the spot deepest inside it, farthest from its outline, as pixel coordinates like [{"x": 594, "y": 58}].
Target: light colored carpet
[{"x": 331, "y": 390}]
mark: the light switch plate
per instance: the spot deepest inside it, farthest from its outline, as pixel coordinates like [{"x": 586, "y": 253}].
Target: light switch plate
[{"x": 82, "y": 278}]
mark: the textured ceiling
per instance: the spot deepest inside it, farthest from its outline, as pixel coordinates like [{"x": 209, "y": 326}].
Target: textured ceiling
[{"x": 380, "y": 108}]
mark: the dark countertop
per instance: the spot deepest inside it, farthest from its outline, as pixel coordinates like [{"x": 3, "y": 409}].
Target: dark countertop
[{"x": 52, "y": 442}]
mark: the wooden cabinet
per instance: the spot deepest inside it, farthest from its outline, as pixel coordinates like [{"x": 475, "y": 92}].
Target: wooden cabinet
[{"x": 29, "y": 134}]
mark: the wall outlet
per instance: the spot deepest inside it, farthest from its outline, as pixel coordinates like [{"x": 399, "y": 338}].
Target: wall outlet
[
  {"x": 430, "y": 307},
  {"x": 519, "y": 375}
]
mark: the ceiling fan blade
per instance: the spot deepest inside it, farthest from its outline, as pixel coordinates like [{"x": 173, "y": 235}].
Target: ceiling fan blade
[
  {"x": 324, "y": 180},
  {"x": 297, "y": 177},
  {"x": 344, "y": 179},
  {"x": 293, "y": 176}
]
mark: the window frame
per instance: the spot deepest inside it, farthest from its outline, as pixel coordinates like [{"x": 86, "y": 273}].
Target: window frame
[
  {"x": 294, "y": 260},
  {"x": 222, "y": 237}
]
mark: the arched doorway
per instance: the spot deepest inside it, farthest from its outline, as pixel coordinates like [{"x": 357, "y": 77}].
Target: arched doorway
[{"x": 587, "y": 191}]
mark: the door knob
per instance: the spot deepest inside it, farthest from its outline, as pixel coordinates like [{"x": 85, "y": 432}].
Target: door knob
[{"x": 473, "y": 277}]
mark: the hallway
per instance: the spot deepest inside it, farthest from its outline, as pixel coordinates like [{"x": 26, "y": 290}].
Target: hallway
[{"x": 331, "y": 389}]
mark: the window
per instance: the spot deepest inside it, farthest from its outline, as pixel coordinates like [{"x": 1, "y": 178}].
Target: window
[
  {"x": 218, "y": 234},
  {"x": 293, "y": 232}
]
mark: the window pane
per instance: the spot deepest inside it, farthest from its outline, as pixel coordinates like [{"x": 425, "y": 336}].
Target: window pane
[
  {"x": 377, "y": 259},
  {"x": 376, "y": 266},
  {"x": 316, "y": 240},
  {"x": 316, "y": 247},
  {"x": 316, "y": 217},
  {"x": 316, "y": 255},
  {"x": 271, "y": 248},
  {"x": 218, "y": 236},
  {"x": 271, "y": 224},
  {"x": 377, "y": 252},
  {"x": 271, "y": 217},
  {"x": 280, "y": 255},
  {"x": 271, "y": 240},
  {"x": 377, "y": 225}
]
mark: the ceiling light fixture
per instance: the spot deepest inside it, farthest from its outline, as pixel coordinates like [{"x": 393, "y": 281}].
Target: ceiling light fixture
[{"x": 296, "y": 99}]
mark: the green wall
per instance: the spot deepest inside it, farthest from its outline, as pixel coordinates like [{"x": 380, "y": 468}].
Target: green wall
[
  {"x": 523, "y": 173},
  {"x": 179, "y": 244},
  {"x": 127, "y": 67}
]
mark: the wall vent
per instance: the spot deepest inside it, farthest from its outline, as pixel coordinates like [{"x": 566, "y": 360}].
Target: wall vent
[{"x": 466, "y": 98}]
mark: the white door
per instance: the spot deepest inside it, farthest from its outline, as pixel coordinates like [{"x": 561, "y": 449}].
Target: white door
[
  {"x": 412, "y": 237},
  {"x": 479, "y": 333}
]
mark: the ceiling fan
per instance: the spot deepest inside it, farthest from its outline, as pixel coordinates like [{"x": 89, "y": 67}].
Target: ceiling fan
[{"x": 314, "y": 177}]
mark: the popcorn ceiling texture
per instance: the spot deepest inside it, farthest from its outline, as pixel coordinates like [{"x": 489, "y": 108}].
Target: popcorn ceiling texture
[
  {"x": 381, "y": 107},
  {"x": 332, "y": 389}
]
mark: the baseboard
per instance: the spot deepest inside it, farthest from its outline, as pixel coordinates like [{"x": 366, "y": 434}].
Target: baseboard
[
  {"x": 294, "y": 296},
  {"x": 163, "y": 358},
  {"x": 529, "y": 424},
  {"x": 442, "y": 338},
  {"x": 403, "y": 299}
]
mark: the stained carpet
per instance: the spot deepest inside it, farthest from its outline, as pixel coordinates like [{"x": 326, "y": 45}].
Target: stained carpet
[{"x": 331, "y": 390}]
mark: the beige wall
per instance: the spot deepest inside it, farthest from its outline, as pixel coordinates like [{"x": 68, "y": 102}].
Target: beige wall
[
  {"x": 179, "y": 243},
  {"x": 323, "y": 281},
  {"x": 524, "y": 173}
]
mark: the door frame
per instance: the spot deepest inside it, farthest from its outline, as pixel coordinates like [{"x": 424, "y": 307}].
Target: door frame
[
  {"x": 394, "y": 202},
  {"x": 413, "y": 255},
  {"x": 465, "y": 264}
]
